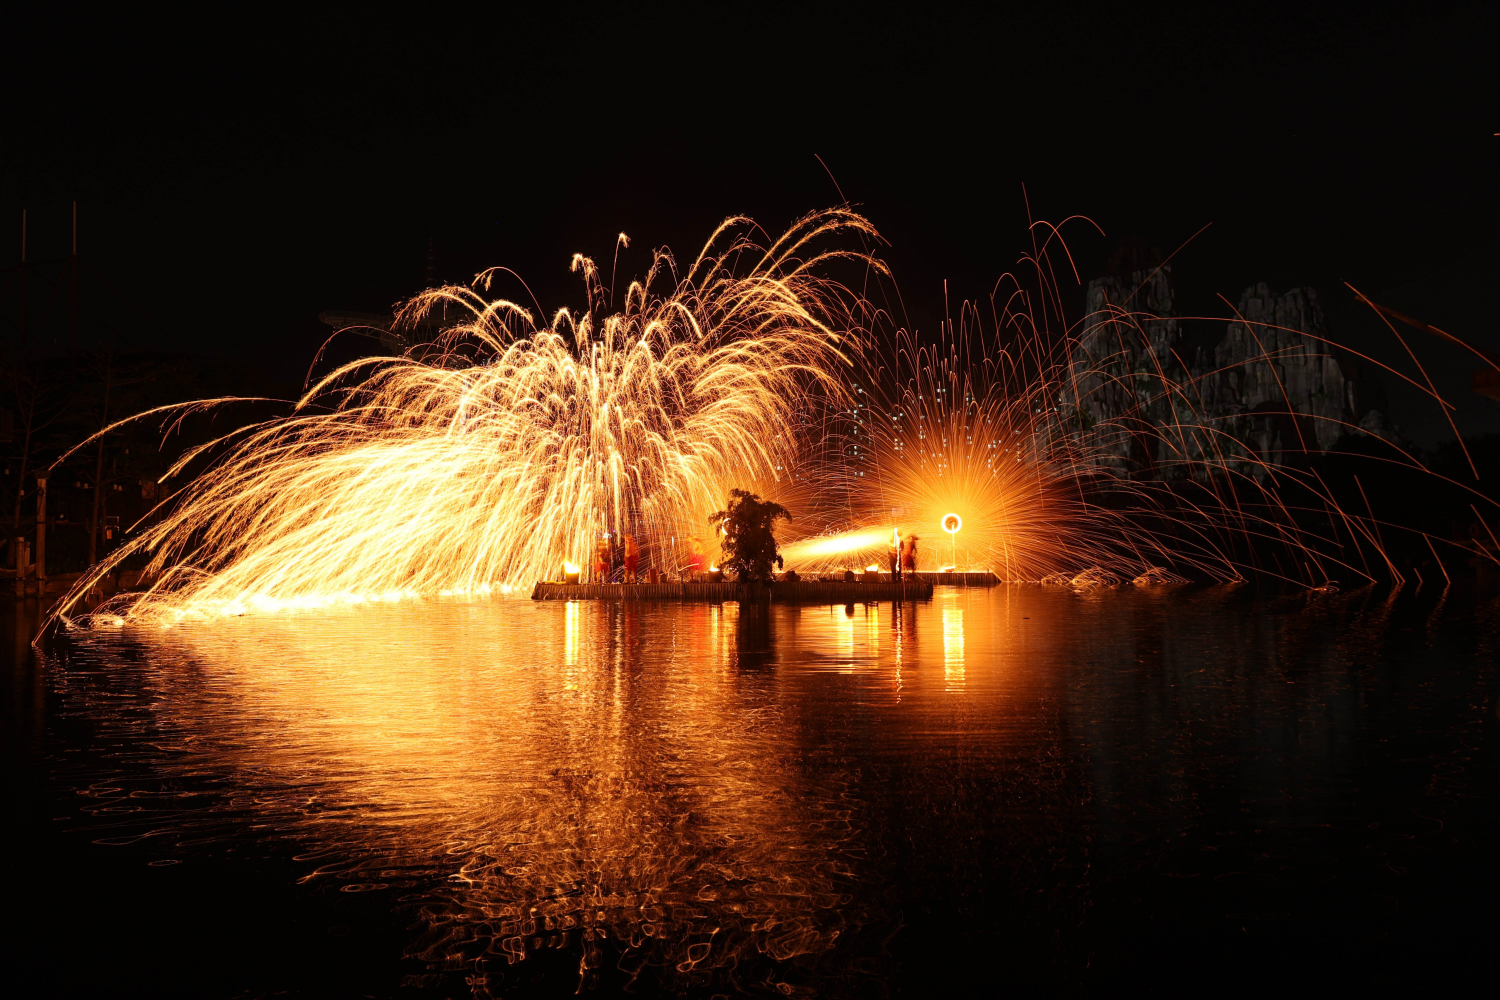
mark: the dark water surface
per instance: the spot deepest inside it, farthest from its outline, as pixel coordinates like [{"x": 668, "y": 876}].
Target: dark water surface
[{"x": 1017, "y": 790}]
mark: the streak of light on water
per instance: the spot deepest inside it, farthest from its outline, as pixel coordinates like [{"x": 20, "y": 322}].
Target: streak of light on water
[{"x": 711, "y": 797}]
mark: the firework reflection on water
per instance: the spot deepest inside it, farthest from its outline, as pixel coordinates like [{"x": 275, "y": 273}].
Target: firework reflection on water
[
  {"x": 522, "y": 789},
  {"x": 618, "y": 782}
]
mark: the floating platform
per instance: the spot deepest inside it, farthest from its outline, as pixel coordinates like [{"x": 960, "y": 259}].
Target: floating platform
[
  {"x": 803, "y": 591},
  {"x": 972, "y": 578}
]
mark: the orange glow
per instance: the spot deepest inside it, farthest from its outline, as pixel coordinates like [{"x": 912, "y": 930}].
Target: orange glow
[
  {"x": 990, "y": 436},
  {"x": 516, "y": 442},
  {"x": 512, "y": 443},
  {"x": 421, "y": 731},
  {"x": 830, "y": 551}
]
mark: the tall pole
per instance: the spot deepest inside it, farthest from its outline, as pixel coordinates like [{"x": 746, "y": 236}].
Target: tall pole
[
  {"x": 97, "y": 511},
  {"x": 41, "y": 534},
  {"x": 73, "y": 296},
  {"x": 23, "y": 281},
  {"x": 18, "y": 380},
  {"x": 17, "y": 546}
]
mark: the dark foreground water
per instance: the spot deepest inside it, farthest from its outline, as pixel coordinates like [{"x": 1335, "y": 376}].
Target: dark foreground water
[{"x": 1016, "y": 790}]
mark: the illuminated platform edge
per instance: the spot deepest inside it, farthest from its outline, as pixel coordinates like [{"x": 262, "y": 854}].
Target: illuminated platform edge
[
  {"x": 969, "y": 579},
  {"x": 830, "y": 592}
]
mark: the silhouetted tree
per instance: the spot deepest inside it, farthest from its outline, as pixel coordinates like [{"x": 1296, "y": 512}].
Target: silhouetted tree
[{"x": 749, "y": 534}]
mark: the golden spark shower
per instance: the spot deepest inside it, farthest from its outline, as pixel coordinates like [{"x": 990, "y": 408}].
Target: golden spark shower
[
  {"x": 1017, "y": 444},
  {"x": 509, "y": 445}
]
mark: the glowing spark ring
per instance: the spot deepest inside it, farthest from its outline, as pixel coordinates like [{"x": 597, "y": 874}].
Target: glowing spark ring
[{"x": 951, "y": 523}]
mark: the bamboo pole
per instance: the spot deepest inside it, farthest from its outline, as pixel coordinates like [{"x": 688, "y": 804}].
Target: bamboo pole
[{"x": 41, "y": 534}]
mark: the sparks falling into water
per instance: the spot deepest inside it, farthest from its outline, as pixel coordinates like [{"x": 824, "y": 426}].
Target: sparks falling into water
[
  {"x": 509, "y": 446},
  {"x": 501, "y": 453}
]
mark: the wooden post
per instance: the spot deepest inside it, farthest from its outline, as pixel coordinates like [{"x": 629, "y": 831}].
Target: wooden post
[
  {"x": 41, "y": 534},
  {"x": 73, "y": 294},
  {"x": 21, "y": 276},
  {"x": 18, "y": 551}
]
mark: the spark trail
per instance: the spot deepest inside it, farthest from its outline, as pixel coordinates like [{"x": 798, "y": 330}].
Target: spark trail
[{"x": 508, "y": 446}]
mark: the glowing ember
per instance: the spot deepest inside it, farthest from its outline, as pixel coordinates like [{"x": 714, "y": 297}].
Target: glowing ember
[
  {"x": 989, "y": 435},
  {"x": 510, "y": 446},
  {"x": 824, "y": 551},
  {"x": 515, "y": 444}
]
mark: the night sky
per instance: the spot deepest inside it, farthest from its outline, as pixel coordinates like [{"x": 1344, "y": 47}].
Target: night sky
[{"x": 236, "y": 177}]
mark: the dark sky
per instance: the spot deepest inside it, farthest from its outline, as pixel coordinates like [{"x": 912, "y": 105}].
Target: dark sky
[{"x": 236, "y": 178}]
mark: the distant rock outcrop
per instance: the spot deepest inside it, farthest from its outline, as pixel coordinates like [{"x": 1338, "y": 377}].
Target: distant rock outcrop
[
  {"x": 1275, "y": 359},
  {"x": 1270, "y": 390},
  {"x": 1125, "y": 356}
]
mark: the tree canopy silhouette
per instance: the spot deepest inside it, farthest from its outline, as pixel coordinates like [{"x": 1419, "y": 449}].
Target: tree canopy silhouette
[{"x": 749, "y": 534}]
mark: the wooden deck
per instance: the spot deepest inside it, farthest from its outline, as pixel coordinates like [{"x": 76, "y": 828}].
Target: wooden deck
[
  {"x": 808, "y": 592},
  {"x": 970, "y": 579}
]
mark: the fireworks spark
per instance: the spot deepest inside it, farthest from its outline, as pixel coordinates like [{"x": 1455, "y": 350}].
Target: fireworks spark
[
  {"x": 845, "y": 548},
  {"x": 1083, "y": 453},
  {"x": 503, "y": 452},
  {"x": 978, "y": 438},
  {"x": 510, "y": 446}
]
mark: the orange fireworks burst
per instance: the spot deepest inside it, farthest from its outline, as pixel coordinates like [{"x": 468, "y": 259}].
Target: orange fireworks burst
[
  {"x": 500, "y": 454},
  {"x": 1086, "y": 453},
  {"x": 509, "y": 446}
]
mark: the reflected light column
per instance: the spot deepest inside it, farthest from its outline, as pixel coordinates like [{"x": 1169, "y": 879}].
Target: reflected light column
[
  {"x": 570, "y": 635},
  {"x": 953, "y": 645}
]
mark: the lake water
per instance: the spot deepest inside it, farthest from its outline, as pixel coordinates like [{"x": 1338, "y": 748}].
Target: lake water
[{"x": 1016, "y": 789}]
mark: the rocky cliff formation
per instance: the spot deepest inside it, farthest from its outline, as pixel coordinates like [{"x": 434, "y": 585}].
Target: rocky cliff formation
[{"x": 1270, "y": 390}]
